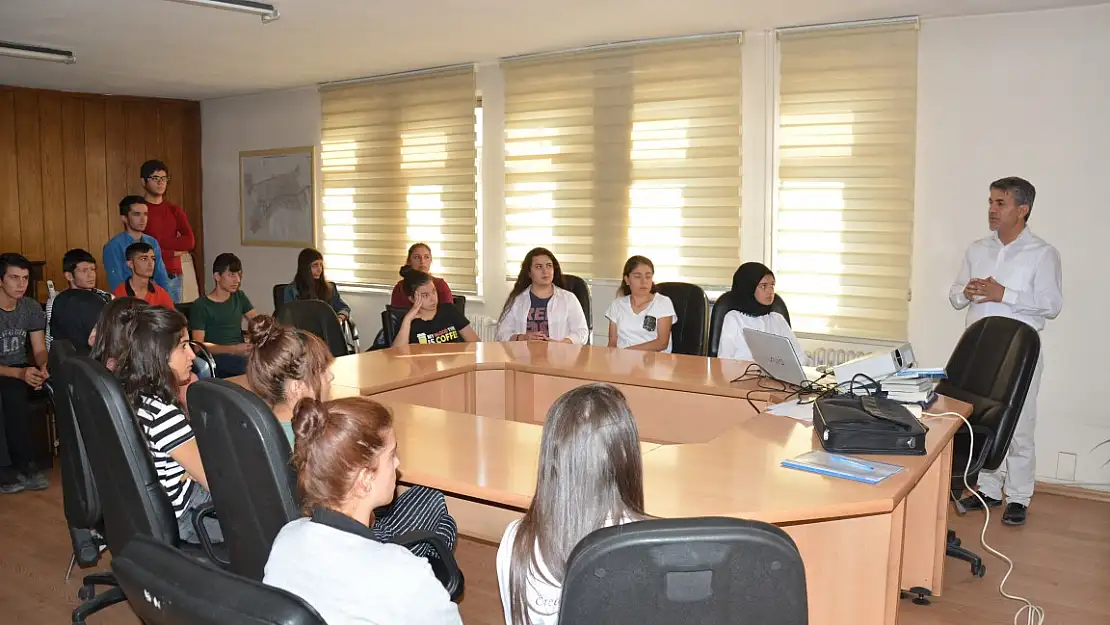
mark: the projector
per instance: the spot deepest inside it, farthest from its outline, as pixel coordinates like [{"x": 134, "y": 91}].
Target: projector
[{"x": 876, "y": 366}]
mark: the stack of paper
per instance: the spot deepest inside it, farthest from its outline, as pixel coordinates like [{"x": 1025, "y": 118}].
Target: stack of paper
[{"x": 912, "y": 386}]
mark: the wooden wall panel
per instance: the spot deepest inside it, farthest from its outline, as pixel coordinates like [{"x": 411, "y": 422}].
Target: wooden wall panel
[
  {"x": 66, "y": 160},
  {"x": 9, "y": 175}
]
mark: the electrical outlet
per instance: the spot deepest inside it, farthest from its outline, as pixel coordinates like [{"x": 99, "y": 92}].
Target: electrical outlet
[{"x": 1065, "y": 466}]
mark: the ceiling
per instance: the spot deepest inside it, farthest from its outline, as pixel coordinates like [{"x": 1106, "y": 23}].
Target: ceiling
[{"x": 160, "y": 48}]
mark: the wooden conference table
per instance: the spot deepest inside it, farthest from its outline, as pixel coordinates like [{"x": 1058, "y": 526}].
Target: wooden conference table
[{"x": 468, "y": 422}]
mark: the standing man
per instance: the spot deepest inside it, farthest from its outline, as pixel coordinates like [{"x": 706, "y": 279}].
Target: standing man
[
  {"x": 21, "y": 320},
  {"x": 167, "y": 223},
  {"x": 1012, "y": 273},
  {"x": 140, "y": 260},
  {"x": 133, "y": 214}
]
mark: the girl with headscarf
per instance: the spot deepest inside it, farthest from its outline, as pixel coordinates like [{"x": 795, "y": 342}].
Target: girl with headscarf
[{"x": 754, "y": 286}]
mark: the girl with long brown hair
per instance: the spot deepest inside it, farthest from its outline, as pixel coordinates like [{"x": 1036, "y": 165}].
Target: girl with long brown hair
[
  {"x": 641, "y": 317},
  {"x": 346, "y": 461},
  {"x": 419, "y": 258},
  {"x": 590, "y": 476},
  {"x": 538, "y": 308},
  {"x": 311, "y": 283}
]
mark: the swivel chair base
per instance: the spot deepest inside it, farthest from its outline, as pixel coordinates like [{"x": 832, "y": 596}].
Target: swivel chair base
[{"x": 954, "y": 550}]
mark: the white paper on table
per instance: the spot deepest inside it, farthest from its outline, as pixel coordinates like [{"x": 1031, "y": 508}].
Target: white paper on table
[{"x": 794, "y": 410}]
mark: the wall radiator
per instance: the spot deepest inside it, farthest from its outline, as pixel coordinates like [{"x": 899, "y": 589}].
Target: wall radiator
[{"x": 486, "y": 327}]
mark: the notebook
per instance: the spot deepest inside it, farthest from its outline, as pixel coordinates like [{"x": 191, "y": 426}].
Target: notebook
[{"x": 839, "y": 465}]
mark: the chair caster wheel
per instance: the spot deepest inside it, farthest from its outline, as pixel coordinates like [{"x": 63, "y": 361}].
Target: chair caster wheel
[
  {"x": 86, "y": 593},
  {"x": 979, "y": 571}
]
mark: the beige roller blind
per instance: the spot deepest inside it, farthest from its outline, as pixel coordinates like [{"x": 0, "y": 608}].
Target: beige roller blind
[
  {"x": 843, "y": 225},
  {"x": 627, "y": 150},
  {"x": 398, "y": 162}
]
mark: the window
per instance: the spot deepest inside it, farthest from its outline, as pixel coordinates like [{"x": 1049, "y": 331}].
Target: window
[
  {"x": 631, "y": 149},
  {"x": 398, "y": 163},
  {"x": 843, "y": 223}
]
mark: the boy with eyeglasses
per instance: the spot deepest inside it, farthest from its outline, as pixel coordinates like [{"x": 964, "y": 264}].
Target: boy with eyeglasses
[{"x": 166, "y": 222}]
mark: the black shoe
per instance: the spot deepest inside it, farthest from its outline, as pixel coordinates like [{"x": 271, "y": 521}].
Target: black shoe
[
  {"x": 1015, "y": 514},
  {"x": 971, "y": 502}
]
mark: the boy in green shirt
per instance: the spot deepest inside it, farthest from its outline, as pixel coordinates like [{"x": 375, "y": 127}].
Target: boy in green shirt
[{"x": 217, "y": 318}]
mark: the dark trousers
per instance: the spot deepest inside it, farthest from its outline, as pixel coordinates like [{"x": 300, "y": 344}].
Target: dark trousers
[
  {"x": 230, "y": 365},
  {"x": 16, "y": 443}
]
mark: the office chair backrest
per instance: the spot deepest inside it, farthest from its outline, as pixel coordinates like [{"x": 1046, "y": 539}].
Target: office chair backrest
[
  {"x": 317, "y": 317},
  {"x": 204, "y": 365},
  {"x": 246, "y": 460},
  {"x": 79, "y": 498},
  {"x": 131, "y": 497},
  {"x": 690, "y": 334},
  {"x": 991, "y": 368},
  {"x": 460, "y": 303},
  {"x": 702, "y": 570},
  {"x": 726, "y": 303},
  {"x": 581, "y": 290},
  {"x": 166, "y": 587},
  {"x": 185, "y": 308},
  {"x": 279, "y": 297}
]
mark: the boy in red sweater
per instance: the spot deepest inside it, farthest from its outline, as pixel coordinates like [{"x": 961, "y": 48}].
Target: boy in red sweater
[{"x": 166, "y": 222}]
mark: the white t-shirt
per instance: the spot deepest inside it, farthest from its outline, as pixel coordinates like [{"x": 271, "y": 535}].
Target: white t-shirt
[
  {"x": 733, "y": 345},
  {"x": 353, "y": 580},
  {"x": 633, "y": 328}
]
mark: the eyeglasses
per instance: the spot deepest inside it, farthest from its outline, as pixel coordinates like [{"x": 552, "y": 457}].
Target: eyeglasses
[{"x": 159, "y": 179}]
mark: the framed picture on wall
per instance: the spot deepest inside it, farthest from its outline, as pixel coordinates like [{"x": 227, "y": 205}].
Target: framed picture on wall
[{"x": 277, "y": 197}]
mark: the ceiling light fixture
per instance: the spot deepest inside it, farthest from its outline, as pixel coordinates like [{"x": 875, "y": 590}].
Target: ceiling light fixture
[
  {"x": 268, "y": 12},
  {"x": 36, "y": 53}
]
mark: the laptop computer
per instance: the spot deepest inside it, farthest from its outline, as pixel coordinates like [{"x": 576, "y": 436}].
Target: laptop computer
[{"x": 775, "y": 356}]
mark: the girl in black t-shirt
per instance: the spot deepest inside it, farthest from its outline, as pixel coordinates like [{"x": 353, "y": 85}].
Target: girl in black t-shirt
[{"x": 428, "y": 321}]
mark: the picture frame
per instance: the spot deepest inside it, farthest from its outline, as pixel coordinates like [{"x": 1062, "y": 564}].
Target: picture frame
[{"x": 277, "y": 197}]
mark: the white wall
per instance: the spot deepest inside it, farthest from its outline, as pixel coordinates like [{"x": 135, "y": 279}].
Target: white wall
[{"x": 1021, "y": 94}]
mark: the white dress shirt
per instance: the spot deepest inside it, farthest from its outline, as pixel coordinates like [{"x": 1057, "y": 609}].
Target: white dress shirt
[
  {"x": 1029, "y": 269},
  {"x": 734, "y": 345},
  {"x": 565, "y": 318}
]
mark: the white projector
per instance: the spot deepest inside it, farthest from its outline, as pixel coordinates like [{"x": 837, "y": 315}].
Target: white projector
[{"x": 876, "y": 366}]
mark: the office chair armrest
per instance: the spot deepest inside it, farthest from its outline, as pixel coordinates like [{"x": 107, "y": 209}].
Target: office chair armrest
[
  {"x": 444, "y": 566},
  {"x": 199, "y": 515}
]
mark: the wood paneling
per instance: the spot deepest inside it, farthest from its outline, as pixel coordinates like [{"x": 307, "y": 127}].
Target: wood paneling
[{"x": 66, "y": 160}]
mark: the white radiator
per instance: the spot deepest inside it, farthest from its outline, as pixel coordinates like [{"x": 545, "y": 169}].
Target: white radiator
[
  {"x": 827, "y": 350},
  {"x": 486, "y": 327}
]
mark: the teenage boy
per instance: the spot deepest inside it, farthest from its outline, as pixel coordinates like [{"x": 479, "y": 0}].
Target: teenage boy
[
  {"x": 141, "y": 259},
  {"x": 217, "y": 318},
  {"x": 133, "y": 214},
  {"x": 21, "y": 319},
  {"x": 72, "y": 314},
  {"x": 166, "y": 222}
]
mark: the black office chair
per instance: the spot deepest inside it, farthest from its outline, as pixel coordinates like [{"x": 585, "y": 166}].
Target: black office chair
[
  {"x": 204, "y": 365},
  {"x": 79, "y": 497},
  {"x": 991, "y": 368},
  {"x": 185, "y": 308},
  {"x": 247, "y": 462},
  {"x": 690, "y": 334},
  {"x": 391, "y": 322},
  {"x": 317, "y": 317},
  {"x": 165, "y": 587},
  {"x": 279, "y": 297},
  {"x": 131, "y": 497},
  {"x": 460, "y": 303},
  {"x": 726, "y": 303},
  {"x": 702, "y": 570},
  {"x": 581, "y": 290}
]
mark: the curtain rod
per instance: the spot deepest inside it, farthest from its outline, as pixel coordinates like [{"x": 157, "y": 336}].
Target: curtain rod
[
  {"x": 889, "y": 21},
  {"x": 620, "y": 44},
  {"x": 406, "y": 74}
]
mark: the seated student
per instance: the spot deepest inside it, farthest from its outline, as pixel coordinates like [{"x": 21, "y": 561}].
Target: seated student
[
  {"x": 428, "y": 322},
  {"x": 641, "y": 318},
  {"x": 310, "y": 283},
  {"x": 108, "y": 339},
  {"x": 21, "y": 321},
  {"x": 346, "y": 462},
  {"x": 76, "y": 314},
  {"x": 538, "y": 308},
  {"x": 217, "y": 318},
  {"x": 419, "y": 259},
  {"x": 754, "y": 285},
  {"x": 590, "y": 476},
  {"x": 156, "y": 363},
  {"x": 133, "y": 214},
  {"x": 287, "y": 365},
  {"x": 140, "y": 284}
]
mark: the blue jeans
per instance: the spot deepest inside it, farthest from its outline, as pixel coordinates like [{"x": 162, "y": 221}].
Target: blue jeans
[
  {"x": 175, "y": 288},
  {"x": 230, "y": 365}
]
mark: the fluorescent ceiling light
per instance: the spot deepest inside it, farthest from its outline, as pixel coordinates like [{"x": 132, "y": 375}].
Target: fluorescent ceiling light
[
  {"x": 36, "y": 53},
  {"x": 268, "y": 12}
]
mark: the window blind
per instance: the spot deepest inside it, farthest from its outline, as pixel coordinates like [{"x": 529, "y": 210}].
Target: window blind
[
  {"x": 398, "y": 163},
  {"x": 631, "y": 149},
  {"x": 843, "y": 224}
]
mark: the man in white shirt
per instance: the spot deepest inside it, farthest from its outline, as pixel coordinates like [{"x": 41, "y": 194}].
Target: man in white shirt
[{"x": 1012, "y": 273}]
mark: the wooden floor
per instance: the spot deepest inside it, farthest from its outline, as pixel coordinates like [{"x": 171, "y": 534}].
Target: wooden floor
[{"x": 1062, "y": 554}]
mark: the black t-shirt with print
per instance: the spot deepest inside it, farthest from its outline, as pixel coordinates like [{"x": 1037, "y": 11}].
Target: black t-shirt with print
[{"x": 445, "y": 327}]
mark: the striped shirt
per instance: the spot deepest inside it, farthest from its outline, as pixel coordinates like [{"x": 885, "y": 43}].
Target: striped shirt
[{"x": 166, "y": 429}]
